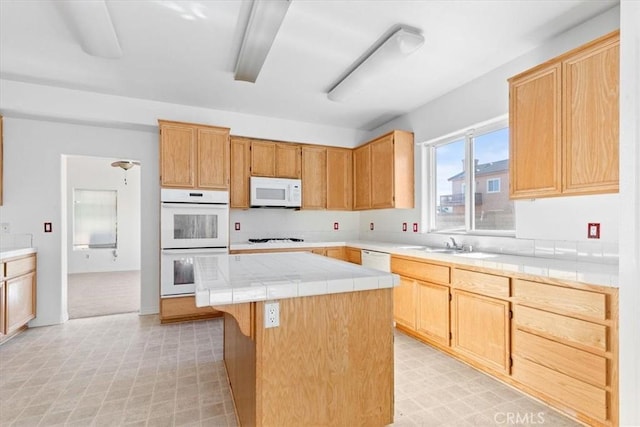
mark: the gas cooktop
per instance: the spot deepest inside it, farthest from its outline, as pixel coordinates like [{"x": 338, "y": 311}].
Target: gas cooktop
[{"x": 276, "y": 240}]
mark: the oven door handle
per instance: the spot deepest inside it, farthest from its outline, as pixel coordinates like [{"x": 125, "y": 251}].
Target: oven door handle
[
  {"x": 195, "y": 251},
  {"x": 194, "y": 205}
]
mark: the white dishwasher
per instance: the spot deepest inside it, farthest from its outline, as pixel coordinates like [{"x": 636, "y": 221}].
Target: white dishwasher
[{"x": 376, "y": 260}]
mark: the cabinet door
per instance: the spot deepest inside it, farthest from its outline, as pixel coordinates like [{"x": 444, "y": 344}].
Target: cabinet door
[
  {"x": 362, "y": 177},
  {"x": 590, "y": 105},
  {"x": 404, "y": 303},
  {"x": 480, "y": 327},
  {"x": 20, "y": 301},
  {"x": 339, "y": 179},
  {"x": 263, "y": 158},
  {"x": 382, "y": 182},
  {"x": 354, "y": 255},
  {"x": 213, "y": 158},
  {"x": 3, "y": 331},
  {"x": 288, "y": 161},
  {"x": 240, "y": 165},
  {"x": 535, "y": 133},
  {"x": 337, "y": 253},
  {"x": 314, "y": 178},
  {"x": 177, "y": 155},
  {"x": 433, "y": 312}
]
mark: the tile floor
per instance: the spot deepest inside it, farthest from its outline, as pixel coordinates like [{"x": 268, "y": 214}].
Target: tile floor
[{"x": 129, "y": 370}]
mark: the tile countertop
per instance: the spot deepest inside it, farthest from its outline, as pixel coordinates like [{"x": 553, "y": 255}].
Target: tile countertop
[
  {"x": 6, "y": 253},
  {"x": 584, "y": 272},
  {"x": 231, "y": 279}
]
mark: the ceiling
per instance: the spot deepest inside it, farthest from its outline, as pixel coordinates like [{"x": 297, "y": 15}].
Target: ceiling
[{"x": 184, "y": 52}]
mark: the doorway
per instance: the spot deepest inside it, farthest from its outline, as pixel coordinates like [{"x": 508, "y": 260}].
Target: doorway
[{"x": 103, "y": 236}]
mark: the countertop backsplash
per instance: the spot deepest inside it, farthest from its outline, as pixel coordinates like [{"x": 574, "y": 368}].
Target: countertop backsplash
[
  {"x": 312, "y": 226},
  {"x": 15, "y": 241}
]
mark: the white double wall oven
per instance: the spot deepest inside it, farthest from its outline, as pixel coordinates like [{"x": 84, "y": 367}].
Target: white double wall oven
[{"x": 193, "y": 223}]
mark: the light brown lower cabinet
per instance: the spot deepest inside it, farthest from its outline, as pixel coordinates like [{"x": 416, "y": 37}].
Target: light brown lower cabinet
[
  {"x": 480, "y": 328},
  {"x": 17, "y": 295},
  {"x": 338, "y": 252},
  {"x": 404, "y": 302},
  {"x": 433, "y": 312},
  {"x": 354, "y": 255},
  {"x": 565, "y": 347},
  {"x": 556, "y": 340},
  {"x": 181, "y": 309}
]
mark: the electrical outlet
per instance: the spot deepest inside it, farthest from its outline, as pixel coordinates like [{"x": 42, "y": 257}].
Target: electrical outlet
[
  {"x": 271, "y": 314},
  {"x": 237, "y": 226},
  {"x": 415, "y": 227},
  {"x": 4, "y": 228},
  {"x": 336, "y": 226},
  {"x": 371, "y": 226},
  {"x": 404, "y": 226},
  {"x": 593, "y": 230}
]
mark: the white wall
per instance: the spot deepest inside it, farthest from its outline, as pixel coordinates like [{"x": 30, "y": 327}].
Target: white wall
[
  {"x": 21, "y": 99},
  {"x": 35, "y": 192},
  {"x": 484, "y": 99},
  {"x": 96, "y": 173},
  {"x": 629, "y": 213}
]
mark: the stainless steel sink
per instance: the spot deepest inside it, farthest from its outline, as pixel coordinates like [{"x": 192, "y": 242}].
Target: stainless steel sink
[
  {"x": 475, "y": 255},
  {"x": 442, "y": 250}
]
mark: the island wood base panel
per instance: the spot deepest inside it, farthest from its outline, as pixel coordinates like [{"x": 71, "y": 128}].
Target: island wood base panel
[{"x": 330, "y": 362}]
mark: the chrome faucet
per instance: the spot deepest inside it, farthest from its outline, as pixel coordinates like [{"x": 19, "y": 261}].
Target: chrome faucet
[{"x": 454, "y": 245}]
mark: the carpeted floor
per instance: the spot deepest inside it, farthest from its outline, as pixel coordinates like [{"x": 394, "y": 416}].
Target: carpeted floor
[{"x": 99, "y": 294}]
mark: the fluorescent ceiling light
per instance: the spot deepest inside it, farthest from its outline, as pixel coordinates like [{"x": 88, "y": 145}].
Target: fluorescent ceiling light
[
  {"x": 264, "y": 23},
  {"x": 387, "y": 54},
  {"x": 91, "y": 24}
]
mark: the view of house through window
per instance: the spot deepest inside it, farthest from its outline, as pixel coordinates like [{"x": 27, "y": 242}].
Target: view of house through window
[
  {"x": 94, "y": 219},
  {"x": 471, "y": 175}
]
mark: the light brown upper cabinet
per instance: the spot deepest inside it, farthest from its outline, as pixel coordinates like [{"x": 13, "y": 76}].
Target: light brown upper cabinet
[
  {"x": 339, "y": 178},
  {"x": 563, "y": 118},
  {"x": 383, "y": 172},
  {"x": 362, "y": 177},
  {"x": 193, "y": 156},
  {"x": 314, "y": 177},
  {"x": 240, "y": 171},
  {"x": 274, "y": 159}
]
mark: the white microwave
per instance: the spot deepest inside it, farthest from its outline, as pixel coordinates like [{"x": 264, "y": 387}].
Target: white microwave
[{"x": 276, "y": 192}]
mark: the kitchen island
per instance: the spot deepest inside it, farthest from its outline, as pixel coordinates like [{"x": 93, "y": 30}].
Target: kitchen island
[{"x": 330, "y": 359}]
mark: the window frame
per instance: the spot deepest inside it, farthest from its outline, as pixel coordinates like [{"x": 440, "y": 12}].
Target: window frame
[
  {"x": 89, "y": 247},
  {"x": 498, "y": 180},
  {"x": 429, "y": 192}
]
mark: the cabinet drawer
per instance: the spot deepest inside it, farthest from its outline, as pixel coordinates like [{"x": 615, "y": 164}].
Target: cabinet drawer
[
  {"x": 574, "y": 393},
  {"x": 565, "y": 300},
  {"x": 587, "y": 335},
  {"x": 20, "y": 266},
  {"x": 421, "y": 270},
  {"x": 481, "y": 283},
  {"x": 575, "y": 363}
]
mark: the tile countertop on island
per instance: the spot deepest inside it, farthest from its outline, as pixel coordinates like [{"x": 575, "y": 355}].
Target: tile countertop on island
[
  {"x": 584, "y": 272},
  {"x": 232, "y": 279}
]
